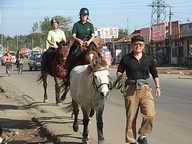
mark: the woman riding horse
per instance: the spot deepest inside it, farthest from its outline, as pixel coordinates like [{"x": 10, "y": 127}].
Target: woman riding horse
[
  {"x": 83, "y": 34},
  {"x": 54, "y": 36},
  {"x": 53, "y": 60}
]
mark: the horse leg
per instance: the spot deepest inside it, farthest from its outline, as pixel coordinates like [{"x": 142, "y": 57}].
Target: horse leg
[
  {"x": 99, "y": 118},
  {"x": 76, "y": 113},
  {"x": 57, "y": 90},
  {"x": 44, "y": 78},
  {"x": 21, "y": 69},
  {"x": 85, "y": 125},
  {"x": 66, "y": 89}
]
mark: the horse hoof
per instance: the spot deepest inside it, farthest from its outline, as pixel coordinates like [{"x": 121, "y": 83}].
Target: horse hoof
[
  {"x": 101, "y": 141},
  {"x": 85, "y": 141},
  {"x": 75, "y": 127},
  {"x": 45, "y": 101}
]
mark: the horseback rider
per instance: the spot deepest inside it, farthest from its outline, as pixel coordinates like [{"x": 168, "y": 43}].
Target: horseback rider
[
  {"x": 83, "y": 34},
  {"x": 19, "y": 57},
  {"x": 55, "y": 35}
]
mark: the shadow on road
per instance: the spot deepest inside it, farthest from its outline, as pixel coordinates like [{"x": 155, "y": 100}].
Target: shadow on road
[
  {"x": 9, "y": 107},
  {"x": 26, "y": 142},
  {"x": 16, "y": 124},
  {"x": 36, "y": 104},
  {"x": 70, "y": 143},
  {"x": 56, "y": 117},
  {"x": 71, "y": 137}
]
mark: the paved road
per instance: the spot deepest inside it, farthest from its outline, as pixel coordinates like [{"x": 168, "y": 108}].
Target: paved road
[{"x": 174, "y": 109}]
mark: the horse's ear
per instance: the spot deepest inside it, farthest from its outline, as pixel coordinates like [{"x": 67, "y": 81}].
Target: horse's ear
[{"x": 103, "y": 62}]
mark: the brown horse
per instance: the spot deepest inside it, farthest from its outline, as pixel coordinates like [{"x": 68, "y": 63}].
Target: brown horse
[{"x": 56, "y": 67}]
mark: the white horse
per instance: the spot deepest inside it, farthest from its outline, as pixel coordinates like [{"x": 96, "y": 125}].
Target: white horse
[{"x": 89, "y": 86}]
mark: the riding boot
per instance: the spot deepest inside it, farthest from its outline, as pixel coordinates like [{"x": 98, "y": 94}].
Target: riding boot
[{"x": 44, "y": 62}]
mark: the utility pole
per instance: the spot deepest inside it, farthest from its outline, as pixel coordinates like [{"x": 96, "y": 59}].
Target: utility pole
[
  {"x": 127, "y": 21},
  {"x": 32, "y": 40},
  {"x": 113, "y": 51},
  {"x": 170, "y": 36},
  {"x": 158, "y": 15},
  {"x": 17, "y": 42}
]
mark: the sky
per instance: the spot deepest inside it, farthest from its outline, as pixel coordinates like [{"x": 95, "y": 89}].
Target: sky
[{"x": 18, "y": 16}]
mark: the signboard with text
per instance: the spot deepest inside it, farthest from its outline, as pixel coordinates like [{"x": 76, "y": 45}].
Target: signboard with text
[
  {"x": 159, "y": 32},
  {"x": 107, "y": 33}
]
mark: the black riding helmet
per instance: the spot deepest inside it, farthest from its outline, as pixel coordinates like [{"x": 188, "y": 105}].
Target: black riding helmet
[{"x": 84, "y": 12}]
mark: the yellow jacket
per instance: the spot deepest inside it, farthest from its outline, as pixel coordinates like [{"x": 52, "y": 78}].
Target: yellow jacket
[{"x": 55, "y": 36}]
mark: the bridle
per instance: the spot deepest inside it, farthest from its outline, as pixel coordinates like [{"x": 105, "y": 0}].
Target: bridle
[
  {"x": 94, "y": 82},
  {"x": 61, "y": 56}
]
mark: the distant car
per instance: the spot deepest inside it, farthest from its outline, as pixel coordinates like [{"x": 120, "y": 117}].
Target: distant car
[{"x": 35, "y": 62}]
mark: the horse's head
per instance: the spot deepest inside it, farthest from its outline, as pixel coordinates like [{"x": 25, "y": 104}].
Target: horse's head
[
  {"x": 96, "y": 60},
  {"x": 100, "y": 73},
  {"x": 62, "y": 52},
  {"x": 101, "y": 81}
]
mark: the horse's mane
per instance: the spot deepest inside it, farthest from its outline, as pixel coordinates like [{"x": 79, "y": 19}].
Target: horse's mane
[
  {"x": 99, "y": 42},
  {"x": 98, "y": 64}
]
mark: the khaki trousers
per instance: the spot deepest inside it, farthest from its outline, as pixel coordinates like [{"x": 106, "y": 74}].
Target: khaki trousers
[{"x": 134, "y": 100}]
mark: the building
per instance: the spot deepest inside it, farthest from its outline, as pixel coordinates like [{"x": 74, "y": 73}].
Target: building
[
  {"x": 107, "y": 33},
  {"x": 119, "y": 48},
  {"x": 186, "y": 43},
  {"x": 158, "y": 44}
]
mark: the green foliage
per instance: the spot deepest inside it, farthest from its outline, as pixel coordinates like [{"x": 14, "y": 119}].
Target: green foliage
[
  {"x": 65, "y": 24},
  {"x": 38, "y": 35},
  {"x": 123, "y": 33}
]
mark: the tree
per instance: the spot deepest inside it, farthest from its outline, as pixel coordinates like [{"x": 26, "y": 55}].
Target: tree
[
  {"x": 65, "y": 24},
  {"x": 123, "y": 33},
  {"x": 45, "y": 25},
  {"x": 38, "y": 40},
  {"x": 35, "y": 27}
]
